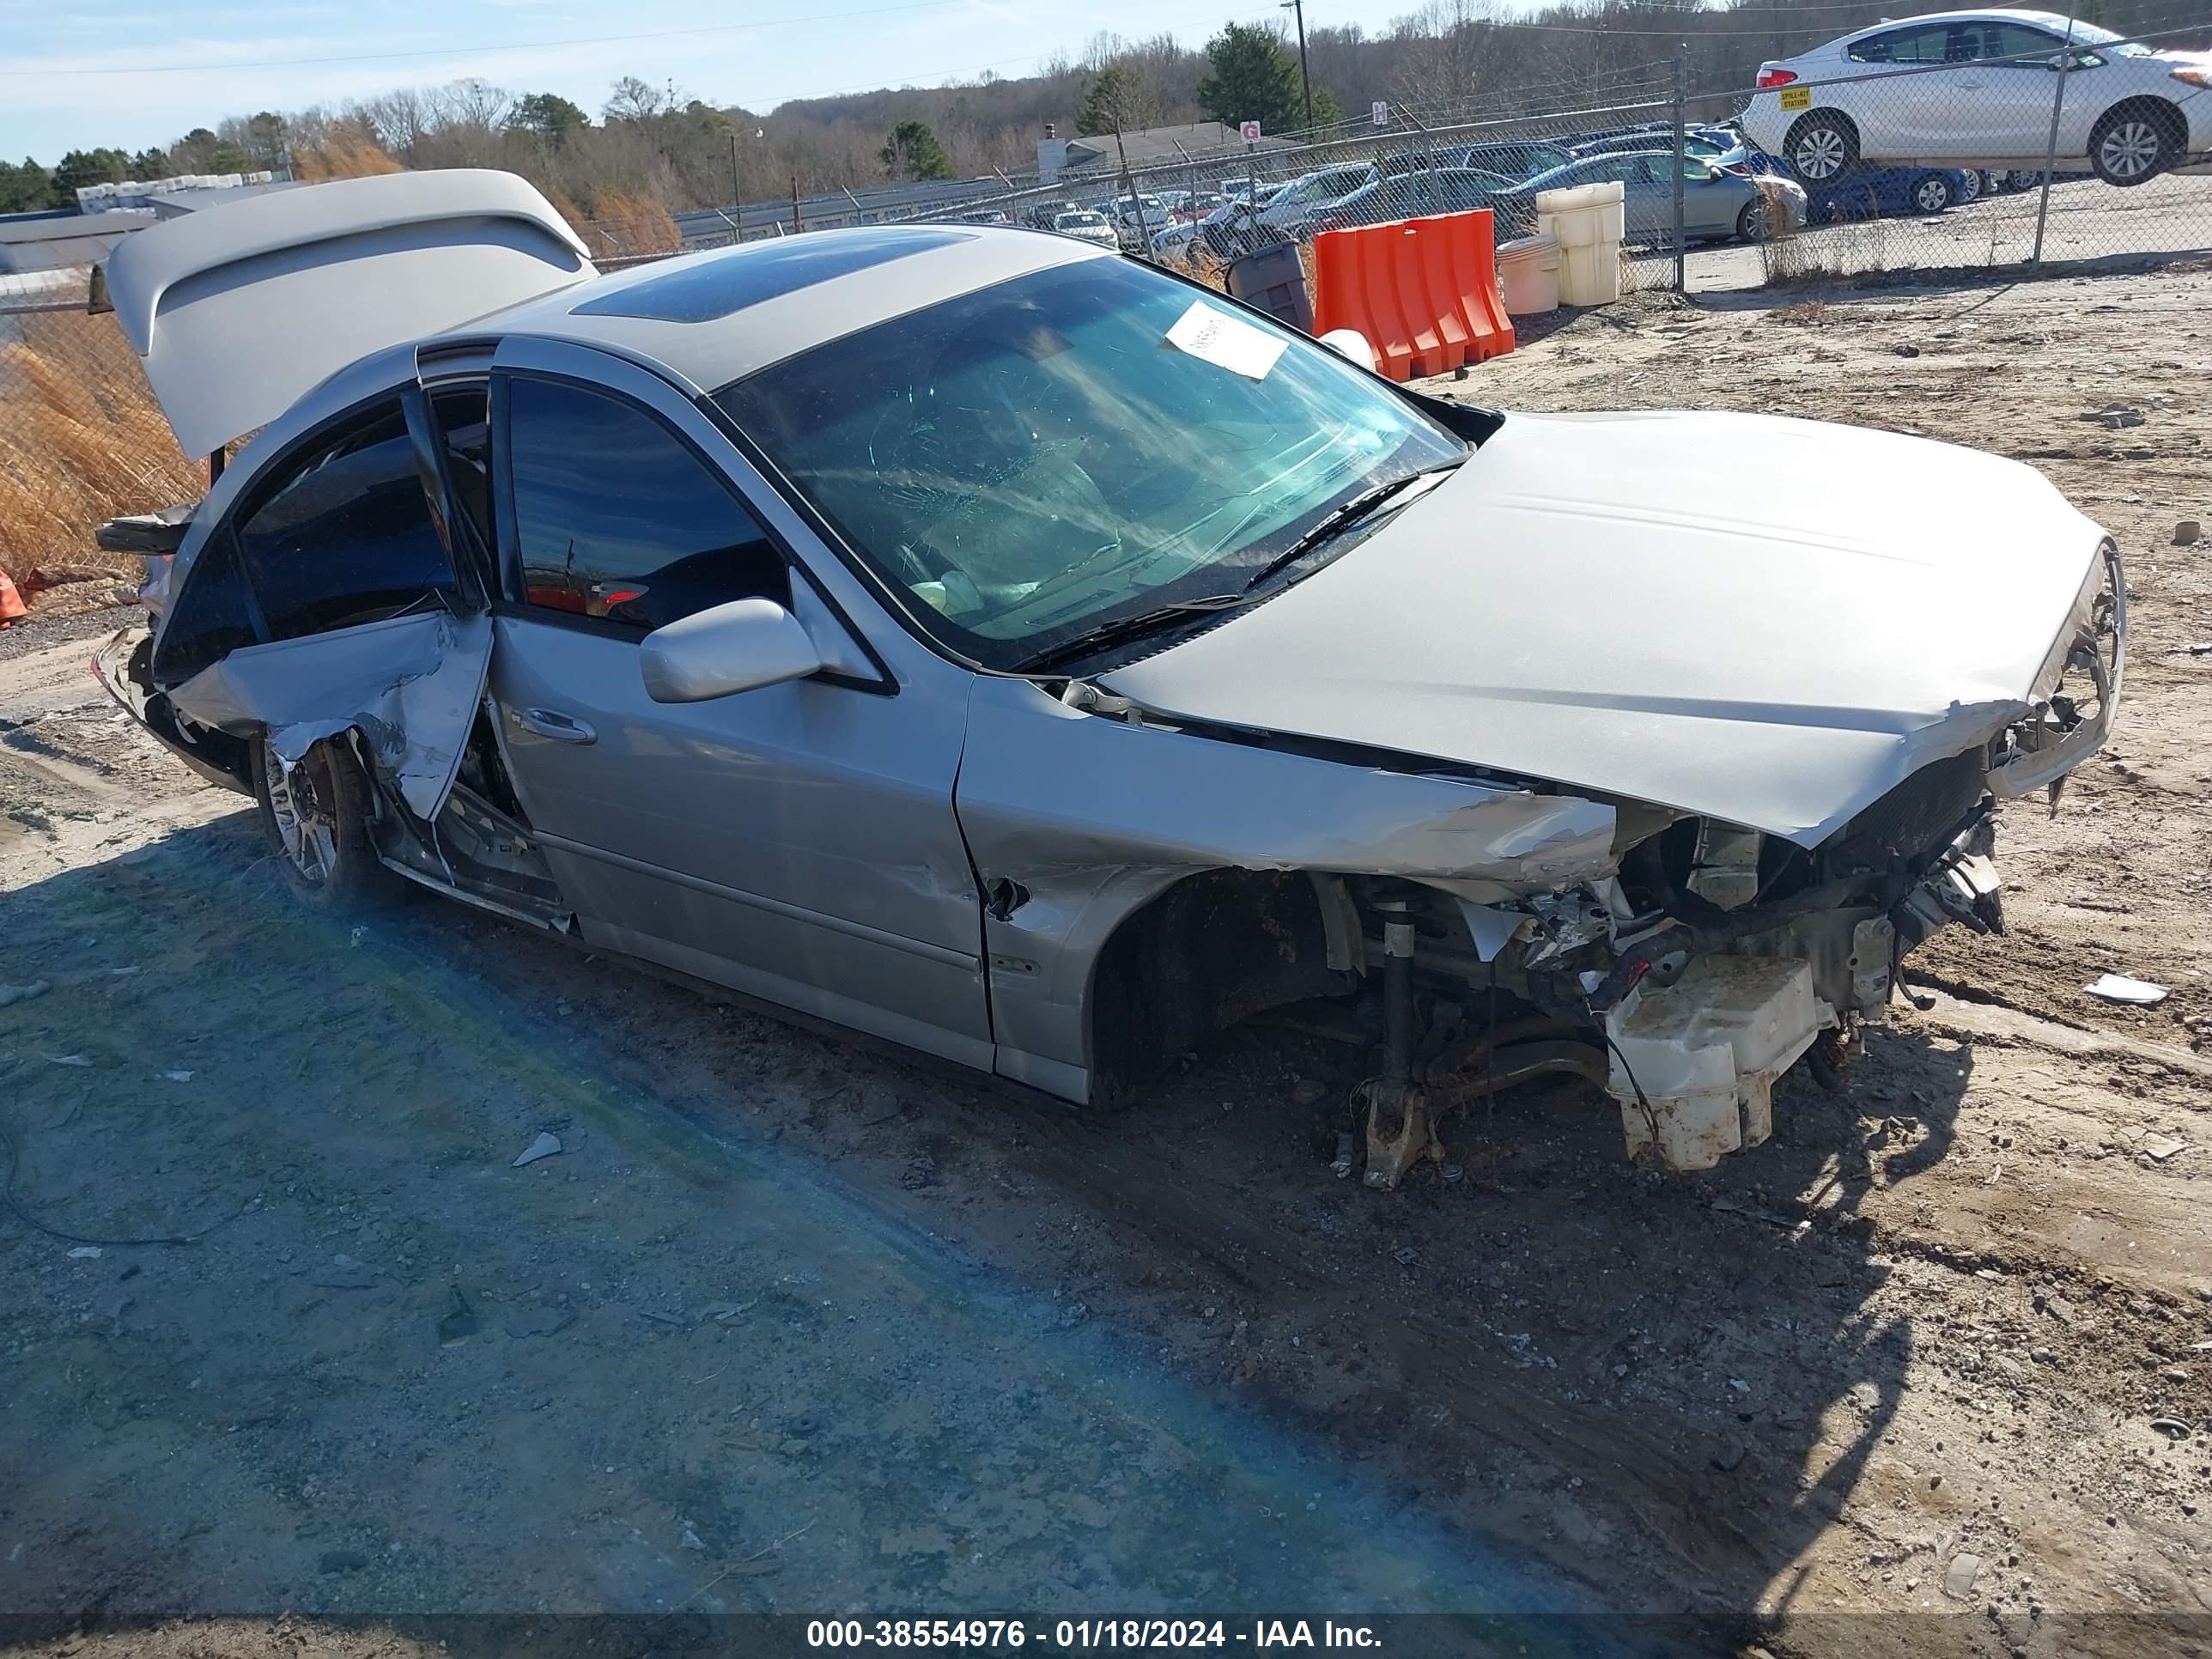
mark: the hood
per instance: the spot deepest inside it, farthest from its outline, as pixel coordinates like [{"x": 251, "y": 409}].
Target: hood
[
  {"x": 238, "y": 309},
  {"x": 1766, "y": 621}
]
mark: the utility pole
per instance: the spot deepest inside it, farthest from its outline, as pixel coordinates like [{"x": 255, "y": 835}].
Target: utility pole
[
  {"x": 737, "y": 190},
  {"x": 1305, "y": 80},
  {"x": 2050, "y": 147},
  {"x": 1681, "y": 250}
]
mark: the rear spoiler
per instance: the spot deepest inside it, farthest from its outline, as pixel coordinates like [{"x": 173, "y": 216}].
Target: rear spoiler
[{"x": 237, "y": 310}]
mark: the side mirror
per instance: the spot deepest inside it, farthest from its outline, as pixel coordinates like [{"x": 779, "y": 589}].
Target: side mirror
[
  {"x": 1350, "y": 344},
  {"x": 739, "y": 646}
]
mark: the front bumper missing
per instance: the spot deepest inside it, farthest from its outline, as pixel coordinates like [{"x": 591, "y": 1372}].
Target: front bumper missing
[
  {"x": 1694, "y": 1058},
  {"x": 2067, "y": 726}
]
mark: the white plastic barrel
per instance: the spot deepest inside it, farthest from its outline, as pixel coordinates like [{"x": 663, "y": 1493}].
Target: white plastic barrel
[
  {"x": 1529, "y": 274},
  {"x": 1589, "y": 221}
]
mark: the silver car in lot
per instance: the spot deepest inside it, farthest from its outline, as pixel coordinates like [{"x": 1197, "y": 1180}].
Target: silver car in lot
[
  {"x": 1014, "y": 652},
  {"x": 1717, "y": 203}
]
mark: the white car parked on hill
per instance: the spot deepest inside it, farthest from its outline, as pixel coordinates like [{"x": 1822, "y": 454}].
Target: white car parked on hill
[{"x": 1977, "y": 87}]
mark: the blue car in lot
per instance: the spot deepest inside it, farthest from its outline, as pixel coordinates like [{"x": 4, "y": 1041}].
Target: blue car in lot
[
  {"x": 1866, "y": 194},
  {"x": 1880, "y": 192}
]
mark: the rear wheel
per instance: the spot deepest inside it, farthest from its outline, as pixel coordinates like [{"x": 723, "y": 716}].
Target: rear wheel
[
  {"x": 2136, "y": 142},
  {"x": 315, "y": 816},
  {"x": 1970, "y": 185},
  {"x": 1822, "y": 145},
  {"x": 1931, "y": 193}
]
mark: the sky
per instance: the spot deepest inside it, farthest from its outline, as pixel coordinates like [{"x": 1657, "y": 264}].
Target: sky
[{"x": 79, "y": 74}]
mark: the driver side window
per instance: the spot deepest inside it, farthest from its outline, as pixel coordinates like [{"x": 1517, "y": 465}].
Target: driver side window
[{"x": 617, "y": 519}]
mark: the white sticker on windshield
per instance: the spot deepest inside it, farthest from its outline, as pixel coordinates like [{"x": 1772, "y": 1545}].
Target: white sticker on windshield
[{"x": 1225, "y": 340}]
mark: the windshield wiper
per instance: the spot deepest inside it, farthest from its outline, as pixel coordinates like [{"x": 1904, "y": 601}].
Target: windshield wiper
[
  {"x": 1340, "y": 517},
  {"x": 1124, "y": 628}
]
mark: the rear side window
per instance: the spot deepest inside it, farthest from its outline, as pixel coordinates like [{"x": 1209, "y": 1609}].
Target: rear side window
[
  {"x": 348, "y": 537},
  {"x": 1984, "y": 42},
  {"x": 1930, "y": 45},
  {"x": 213, "y": 615},
  {"x": 1625, "y": 169},
  {"x": 617, "y": 518}
]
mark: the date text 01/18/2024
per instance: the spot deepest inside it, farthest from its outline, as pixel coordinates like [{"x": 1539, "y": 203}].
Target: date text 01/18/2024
[{"x": 1083, "y": 1634}]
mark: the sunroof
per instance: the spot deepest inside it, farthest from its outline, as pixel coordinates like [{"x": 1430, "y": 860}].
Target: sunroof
[{"x": 701, "y": 292}]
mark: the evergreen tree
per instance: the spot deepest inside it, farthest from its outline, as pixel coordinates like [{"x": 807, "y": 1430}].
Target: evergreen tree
[
  {"x": 1114, "y": 101},
  {"x": 1251, "y": 78},
  {"x": 25, "y": 189},
  {"x": 912, "y": 152},
  {"x": 86, "y": 167},
  {"x": 552, "y": 117}
]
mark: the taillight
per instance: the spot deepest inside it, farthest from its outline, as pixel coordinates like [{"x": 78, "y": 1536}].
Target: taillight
[{"x": 1775, "y": 77}]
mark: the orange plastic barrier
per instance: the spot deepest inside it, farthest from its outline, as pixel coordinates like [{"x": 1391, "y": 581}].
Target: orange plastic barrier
[
  {"x": 11, "y": 602},
  {"x": 1423, "y": 291}
]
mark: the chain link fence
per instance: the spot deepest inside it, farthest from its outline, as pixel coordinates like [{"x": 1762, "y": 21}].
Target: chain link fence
[
  {"x": 82, "y": 440},
  {"x": 1202, "y": 212},
  {"x": 1921, "y": 146},
  {"x": 1936, "y": 145}
]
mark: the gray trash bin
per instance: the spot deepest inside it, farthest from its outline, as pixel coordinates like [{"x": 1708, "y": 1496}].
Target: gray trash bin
[{"x": 1274, "y": 280}]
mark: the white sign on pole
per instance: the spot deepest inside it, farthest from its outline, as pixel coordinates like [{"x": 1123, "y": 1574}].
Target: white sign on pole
[
  {"x": 1381, "y": 111},
  {"x": 1251, "y": 133}
]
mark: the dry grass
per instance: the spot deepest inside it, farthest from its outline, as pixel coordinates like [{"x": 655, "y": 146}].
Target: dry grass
[
  {"x": 346, "y": 152},
  {"x": 81, "y": 440},
  {"x": 624, "y": 226}
]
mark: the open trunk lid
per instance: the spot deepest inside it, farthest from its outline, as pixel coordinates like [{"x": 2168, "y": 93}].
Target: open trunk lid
[{"x": 238, "y": 310}]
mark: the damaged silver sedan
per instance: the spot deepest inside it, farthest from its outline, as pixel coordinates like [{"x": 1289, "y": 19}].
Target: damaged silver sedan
[{"x": 1017, "y": 652}]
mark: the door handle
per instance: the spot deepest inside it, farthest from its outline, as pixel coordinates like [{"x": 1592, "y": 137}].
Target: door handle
[{"x": 551, "y": 723}]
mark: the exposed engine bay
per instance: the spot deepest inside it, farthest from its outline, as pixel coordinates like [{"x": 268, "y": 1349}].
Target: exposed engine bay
[{"x": 1717, "y": 957}]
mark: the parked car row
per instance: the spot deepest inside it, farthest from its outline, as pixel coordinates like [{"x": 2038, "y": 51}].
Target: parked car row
[{"x": 1832, "y": 135}]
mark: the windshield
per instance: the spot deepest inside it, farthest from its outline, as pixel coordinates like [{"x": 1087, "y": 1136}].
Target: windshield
[
  {"x": 1077, "y": 446},
  {"x": 1079, "y": 221}
]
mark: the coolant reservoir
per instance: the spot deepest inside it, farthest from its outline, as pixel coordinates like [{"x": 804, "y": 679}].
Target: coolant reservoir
[{"x": 1705, "y": 1052}]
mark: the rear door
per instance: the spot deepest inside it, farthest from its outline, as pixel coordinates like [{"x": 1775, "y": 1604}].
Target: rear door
[
  {"x": 327, "y": 599},
  {"x": 1908, "y": 116},
  {"x": 797, "y": 841},
  {"x": 1647, "y": 211}
]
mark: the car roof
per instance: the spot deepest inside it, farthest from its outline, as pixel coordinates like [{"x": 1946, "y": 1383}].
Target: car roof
[
  {"x": 2046, "y": 20},
  {"x": 714, "y": 317}
]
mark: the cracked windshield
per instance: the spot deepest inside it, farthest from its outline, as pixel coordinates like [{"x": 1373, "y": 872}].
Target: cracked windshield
[{"x": 1075, "y": 447}]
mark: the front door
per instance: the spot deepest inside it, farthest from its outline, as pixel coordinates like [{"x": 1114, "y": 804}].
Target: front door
[
  {"x": 2007, "y": 87},
  {"x": 796, "y": 841}
]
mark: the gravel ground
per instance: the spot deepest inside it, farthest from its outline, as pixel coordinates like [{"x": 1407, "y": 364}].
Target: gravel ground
[
  {"x": 787, "y": 1325},
  {"x": 37, "y": 633}
]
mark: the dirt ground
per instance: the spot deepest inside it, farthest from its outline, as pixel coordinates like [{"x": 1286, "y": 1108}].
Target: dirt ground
[{"x": 791, "y": 1325}]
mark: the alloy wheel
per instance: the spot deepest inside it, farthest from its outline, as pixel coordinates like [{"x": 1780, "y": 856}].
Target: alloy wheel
[
  {"x": 1821, "y": 153},
  {"x": 2130, "y": 150},
  {"x": 301, "y": 800}
]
